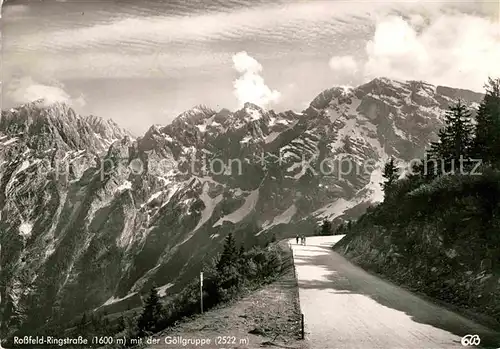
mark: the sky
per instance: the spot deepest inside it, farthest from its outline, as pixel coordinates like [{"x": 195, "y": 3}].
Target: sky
[{"x": 144, "y": 62}]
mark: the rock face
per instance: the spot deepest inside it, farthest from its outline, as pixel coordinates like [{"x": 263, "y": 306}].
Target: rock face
[{"x": 91, "y": 217}]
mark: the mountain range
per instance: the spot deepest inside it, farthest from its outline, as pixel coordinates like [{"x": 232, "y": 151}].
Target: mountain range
[{"x": 91, "y": 217}]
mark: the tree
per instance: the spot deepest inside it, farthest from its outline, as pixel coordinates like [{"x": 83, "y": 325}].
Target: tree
[
  {"x": 455, "y": 139},
  {"x": 487, "y": 129},
  {"x": 83, "y": 322},
  {"x": 228, "y": 269},
  {"x": 229, "y": 254},
  {"x": 391, "y": 175},
  {"x": 326, "y": 228},
  {"x": 152, "y": 313}
]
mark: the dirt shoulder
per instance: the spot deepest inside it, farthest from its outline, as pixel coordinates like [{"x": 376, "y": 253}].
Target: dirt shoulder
[{"x": 268, "y": 317}]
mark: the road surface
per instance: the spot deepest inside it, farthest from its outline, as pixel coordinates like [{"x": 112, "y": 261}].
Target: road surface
[{"x": 346, "y": 307}]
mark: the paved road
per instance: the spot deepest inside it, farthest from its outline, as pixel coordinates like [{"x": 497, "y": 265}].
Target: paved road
[{"x": 345, "y": 307}]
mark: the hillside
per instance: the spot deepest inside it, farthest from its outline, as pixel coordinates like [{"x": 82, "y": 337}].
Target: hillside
[
  {"x": 437, "y": 230},
  {"x": 437, "y": 242},
  {"x": 92, "y": 217}
]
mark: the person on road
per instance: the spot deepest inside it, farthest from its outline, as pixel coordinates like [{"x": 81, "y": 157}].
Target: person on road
[
  {"x": 303, "y": 240},
  {"x": 297, "y": 239}
]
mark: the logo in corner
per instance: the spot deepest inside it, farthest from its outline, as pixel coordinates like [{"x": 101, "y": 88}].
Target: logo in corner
[{"x": 470, "y": 340}]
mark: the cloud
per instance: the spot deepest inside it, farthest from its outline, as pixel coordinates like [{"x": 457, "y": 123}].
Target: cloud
[
  {"x": 342, "y": 63},
  {"x": 457, "y": 50},
  {"x": 126, "y": 43},
  {"x": 345, "y": 68},
  {"x": 250, "y": 86},
  {"x": 134, "y": 27},
  {"x": 16, "y": 11},
  {"x": 26, "y": 90}
]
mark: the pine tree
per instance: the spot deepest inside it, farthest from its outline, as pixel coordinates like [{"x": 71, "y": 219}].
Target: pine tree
[
  {"x": 83, "y": 322},
  {"x": 241, "y": 260},
  {"x": 462, "y": 130},
  {"x": 152, "y": 313},
  {"x": 455, "y": 139},
  {"x": 391, "y": 175},
  {"x": 229, "y": 254},
  {"x": 487, "y": 130},
  {"x": 229, "y": 276},
  {"x": 326, "y": 228}
]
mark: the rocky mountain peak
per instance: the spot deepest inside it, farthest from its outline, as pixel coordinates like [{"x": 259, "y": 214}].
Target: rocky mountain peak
[
  {"x": 20, "y": 119},
  {"x": 195, "y": 115},
  {"x": 41, "y": 126},
  {"x": 106, "y": 128},
  {"x": 381, "y": 86},
  {"x": 252, "y": 106}
]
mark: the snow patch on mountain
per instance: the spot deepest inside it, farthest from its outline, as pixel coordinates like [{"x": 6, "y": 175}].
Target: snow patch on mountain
[
  {"x": 124, "y": 186},
  {"x": 210, "y": 204},
  {"x": 271, "y": 137},
  {"x": 162, "y": 290},
  {"x": 246, "y": 139},
  {"x": 284, "y": 218},
  {"x": 153, "y": 196},
  {"x": 10, "y": 141},
  {"x": 243, "y": 211},
  {"x": 112, "y": 300},
  {"x": 347, "y": 130},
  {"x": 25, "y": 164},
  {"x": 335, "y": 209},
  {"x": 127, "y": 234},
  {"x": 374, "y": 188},
  {"x": 25, "y": 229},
  {"x": 399, "y": 132},
  {"x": 333, "y": 114}
]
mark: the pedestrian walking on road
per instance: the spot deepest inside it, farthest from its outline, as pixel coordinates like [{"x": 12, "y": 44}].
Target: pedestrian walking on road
[
  {"x": 304, "y": 240},
  {"x": 297, "y": 239}
]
